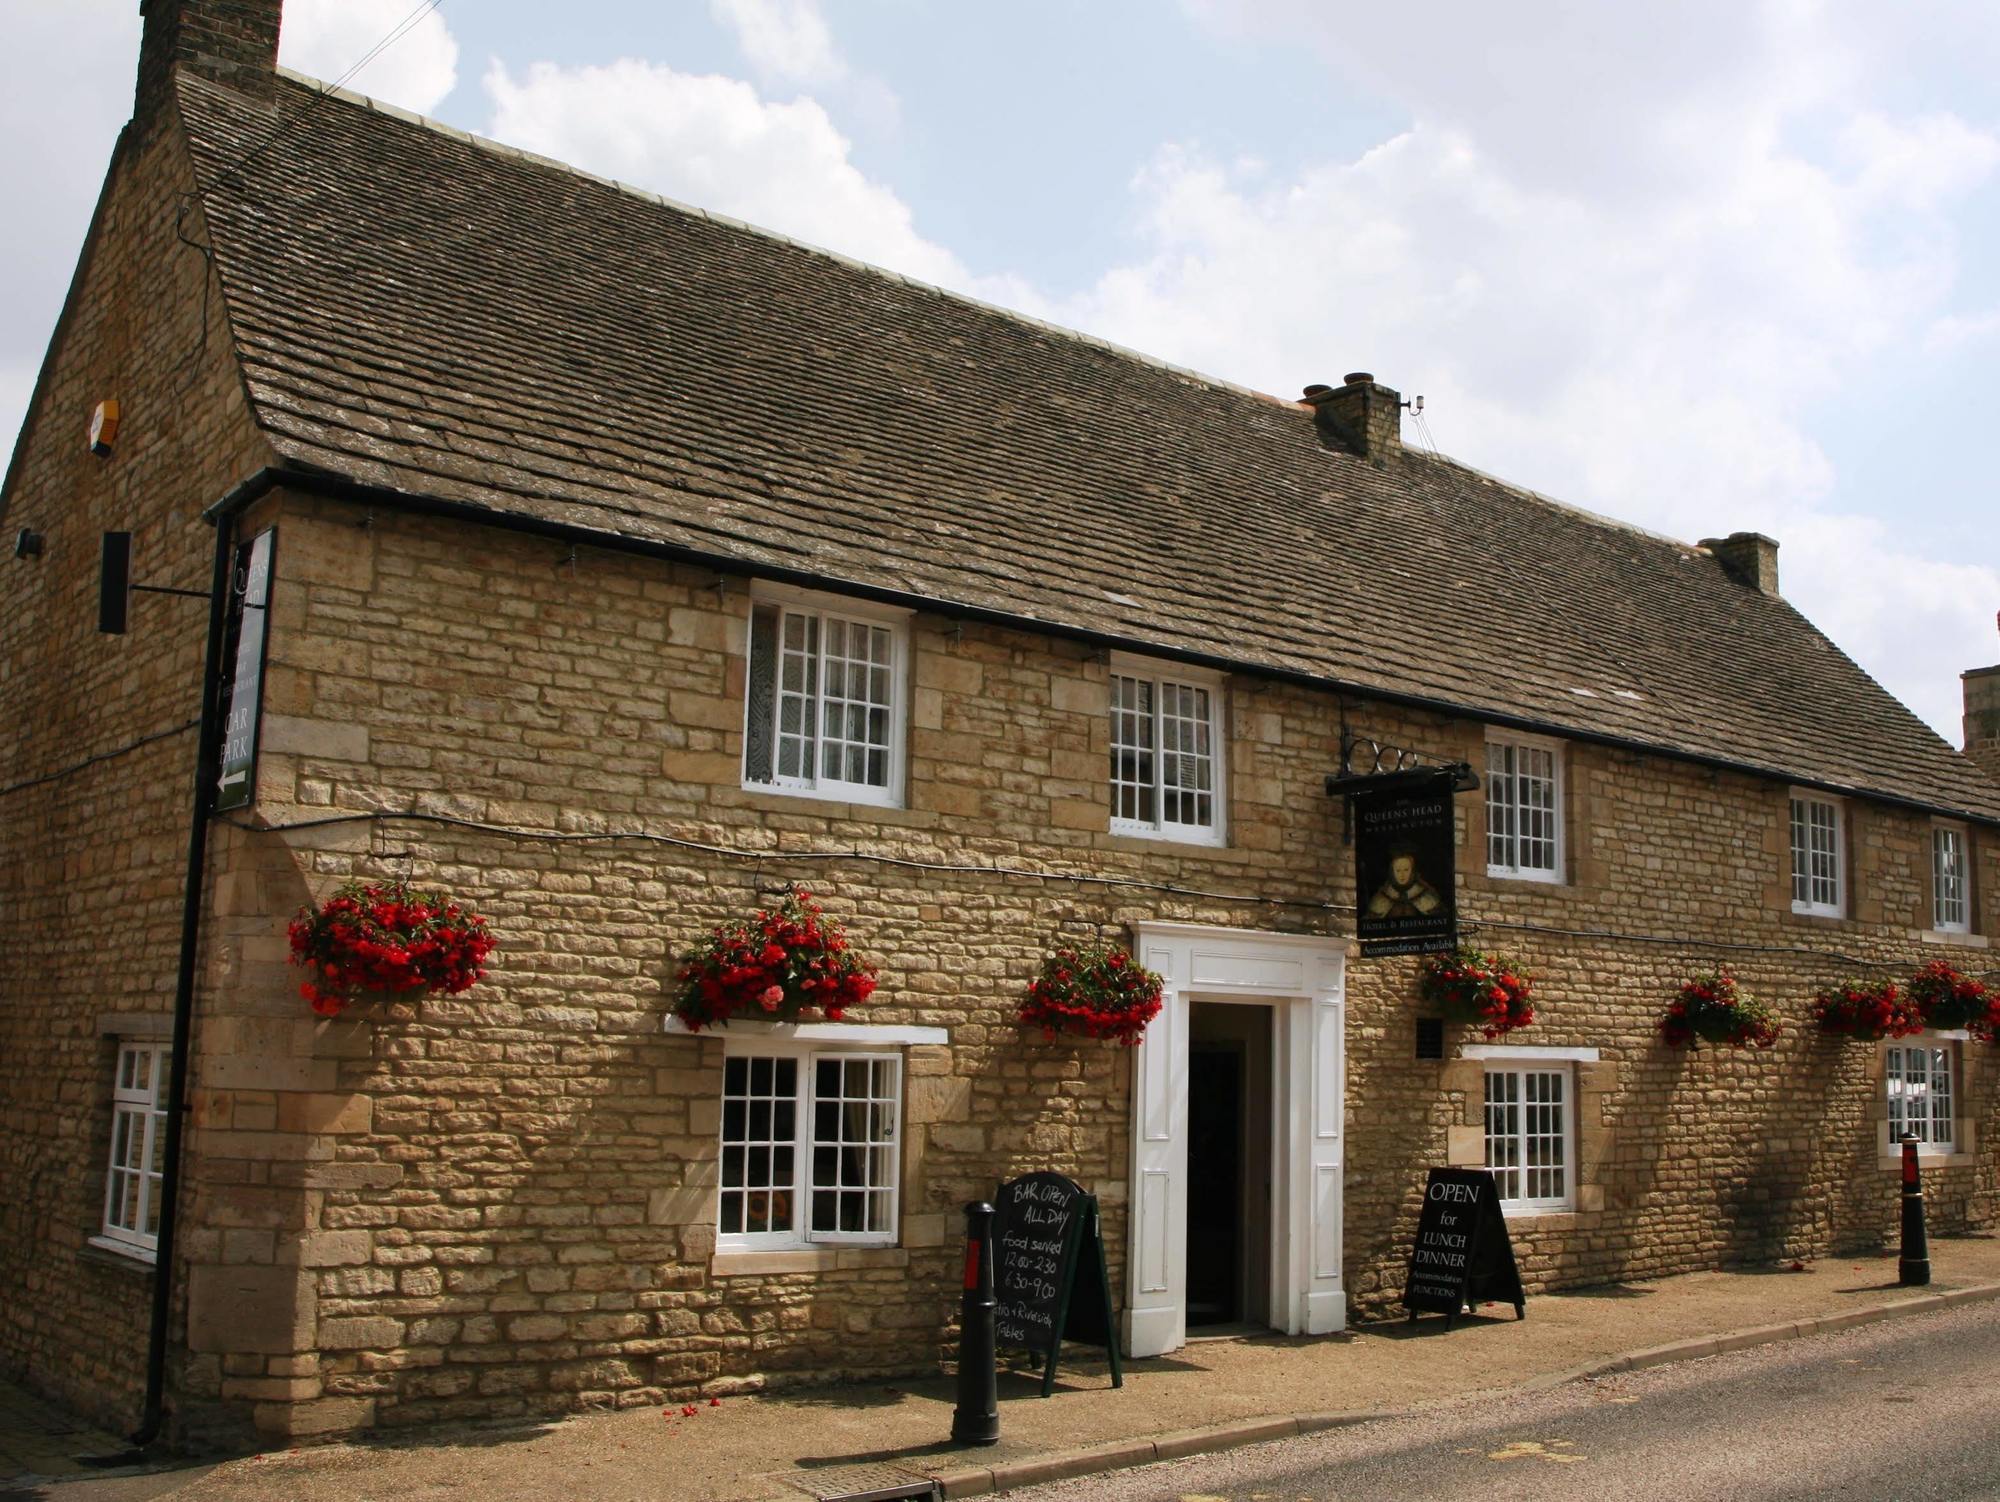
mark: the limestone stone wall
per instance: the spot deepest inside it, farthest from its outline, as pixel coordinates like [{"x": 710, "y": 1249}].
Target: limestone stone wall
[
  {"x": 96, "y": 758},
  {"x": 503, "y": 1203}
]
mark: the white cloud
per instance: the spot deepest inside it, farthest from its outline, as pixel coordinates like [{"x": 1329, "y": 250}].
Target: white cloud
[
  {"x": 784, "y": 40},
  {"x": 1890, "y": 609},
  {"x": 714, "y": 142},
  {"x": 324, "y": 38},
  {"x": 1624, "y": 252}
]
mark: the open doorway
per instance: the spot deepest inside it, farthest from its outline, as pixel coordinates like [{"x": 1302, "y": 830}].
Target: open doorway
[{"x": 1231, "y": 1123}]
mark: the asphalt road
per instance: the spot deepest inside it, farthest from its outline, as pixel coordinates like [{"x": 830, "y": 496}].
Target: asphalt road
[{"x": 1906, "y": 1409}]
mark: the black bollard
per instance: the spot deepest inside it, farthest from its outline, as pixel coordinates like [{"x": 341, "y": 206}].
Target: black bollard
[
  {"x": 976, "y": 1420},
  {"x": 1913, "y": 1270}
]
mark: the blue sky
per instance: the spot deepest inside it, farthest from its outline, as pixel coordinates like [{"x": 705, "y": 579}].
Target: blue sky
[{"x": 1702, "y": 267}]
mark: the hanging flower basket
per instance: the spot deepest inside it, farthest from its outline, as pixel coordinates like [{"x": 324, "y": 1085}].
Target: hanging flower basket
[
  {"x": 1945, "y": 1000},
  {"x": 1715, "y": 1009},
  {"x": 371, "y": 941},
  {"x": 1489, "y": 991},
  {"x": 782, "y": 965},
  {"x": 1095, "y": 990},
  {"x": 1868, "y": 1009}
]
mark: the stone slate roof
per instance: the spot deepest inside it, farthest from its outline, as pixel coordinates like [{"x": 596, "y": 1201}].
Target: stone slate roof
[{"x": 420, "y": 310}]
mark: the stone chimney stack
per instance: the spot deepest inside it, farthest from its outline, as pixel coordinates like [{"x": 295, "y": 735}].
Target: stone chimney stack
[
  {"x": 1982, "y": 718},
  {"x": 1749, "y": 556},
  {"x": 1360, "y": 415},
  {"x": 234, "y": 42}
]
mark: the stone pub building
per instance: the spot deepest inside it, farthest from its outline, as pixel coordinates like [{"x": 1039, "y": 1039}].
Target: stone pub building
[{"x": 626, "y": 564}]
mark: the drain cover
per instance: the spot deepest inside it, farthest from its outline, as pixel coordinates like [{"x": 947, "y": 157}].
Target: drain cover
[{"x": 862, "y": 1483}]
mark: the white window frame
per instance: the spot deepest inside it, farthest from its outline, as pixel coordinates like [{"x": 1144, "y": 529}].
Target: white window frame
[
  {"x": 1944, "y": 1048},
  {"x": 148, "y": 1107},
  {"x": 1810, "y": 906},
  {"x": 854, "y": 612},
  {"x": 808, "y": 1052},
  {"x": 1553, "y": 875},
  {"x": 1943, "y": 834},
  {"x": 1521, "y": 1061},
  {"x": 1163, "y": 675}
]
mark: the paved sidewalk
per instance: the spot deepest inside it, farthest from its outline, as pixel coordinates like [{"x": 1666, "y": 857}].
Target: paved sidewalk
[{"x": 1210, "y": 1394}]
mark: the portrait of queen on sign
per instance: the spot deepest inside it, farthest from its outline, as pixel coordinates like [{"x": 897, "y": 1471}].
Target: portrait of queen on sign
[{"x": 1404, "y": 893}]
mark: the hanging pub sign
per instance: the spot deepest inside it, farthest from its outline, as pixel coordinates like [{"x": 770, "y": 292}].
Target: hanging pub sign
[
  {"x": 1050, "y": 1283},
  {"x": 1462, "y": 1254},
  {"x": 1404, "y": 842},
  {"x": 245, "y": 628}
]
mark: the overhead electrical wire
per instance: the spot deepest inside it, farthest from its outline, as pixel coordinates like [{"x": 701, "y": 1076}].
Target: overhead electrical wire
[{"x": 401, "y": 29}]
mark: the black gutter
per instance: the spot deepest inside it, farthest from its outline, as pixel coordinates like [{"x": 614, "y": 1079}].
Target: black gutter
[
  {"x": 206, "y": 770},
  {"x": 334, "y": 487}
]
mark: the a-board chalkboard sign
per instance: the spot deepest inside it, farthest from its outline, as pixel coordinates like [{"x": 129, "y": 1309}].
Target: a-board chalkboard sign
[
  {"x": 1049, "y": 1277},
  {"x": 1462, "y": 1254}
]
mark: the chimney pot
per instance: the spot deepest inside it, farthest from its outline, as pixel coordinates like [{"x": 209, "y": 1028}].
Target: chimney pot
[
  {"x": 1750, "y": 557},
  {"x": 1357, "y": 378}
]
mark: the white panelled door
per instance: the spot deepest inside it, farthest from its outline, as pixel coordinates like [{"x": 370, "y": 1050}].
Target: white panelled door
[{"x": 1302, "y": 977}]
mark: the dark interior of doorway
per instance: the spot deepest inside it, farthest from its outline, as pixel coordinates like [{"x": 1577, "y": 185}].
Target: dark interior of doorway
[{"x": 1229, "y": 1166}]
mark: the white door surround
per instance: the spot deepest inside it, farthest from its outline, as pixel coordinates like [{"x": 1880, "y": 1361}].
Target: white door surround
[{"x": 1302, "y": 977}]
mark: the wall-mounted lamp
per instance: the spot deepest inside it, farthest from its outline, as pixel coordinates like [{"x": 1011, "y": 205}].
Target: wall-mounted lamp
[{"x": 27, "y": 544}]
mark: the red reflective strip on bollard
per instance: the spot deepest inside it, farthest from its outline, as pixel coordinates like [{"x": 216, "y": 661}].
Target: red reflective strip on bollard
[
  {"x": 972, "y": 1264},
  {"x": 1909, "y": 1163}
]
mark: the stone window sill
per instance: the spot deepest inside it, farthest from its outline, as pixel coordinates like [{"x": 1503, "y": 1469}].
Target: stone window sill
[
  {"x": 105, "y": 1252},
  {"x": 1926, "y": 1158},
  {"x": 747, "y": 1263},
  {"x": 1952, "y": 937}
]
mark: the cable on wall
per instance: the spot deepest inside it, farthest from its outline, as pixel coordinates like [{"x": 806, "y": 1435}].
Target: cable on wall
[
  {"x": 102, "y": 756},
  {"x": 1027, "y": 873}
]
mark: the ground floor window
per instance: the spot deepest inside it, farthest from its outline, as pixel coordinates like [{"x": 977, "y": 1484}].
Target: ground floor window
[
  {"x": 811, "y": 1148},
  {"x": 1919, "y": 1082},
  {"x": 1529, "y": 1128},
  {"x": 138, "y": 1147}
]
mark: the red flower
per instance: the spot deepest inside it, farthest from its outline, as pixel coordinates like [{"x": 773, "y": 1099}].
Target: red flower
[
  {"x": 776, "y": 963},
  {"x": 1483, "y": 989},
  {"x": 383, "y": 939},
  {"x": 1712, "y": 1007},
  {"x": 1097, "y": 991}
]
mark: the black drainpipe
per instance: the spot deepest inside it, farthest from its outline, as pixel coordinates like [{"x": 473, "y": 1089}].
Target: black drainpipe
[{"x": 202, "y": 804}]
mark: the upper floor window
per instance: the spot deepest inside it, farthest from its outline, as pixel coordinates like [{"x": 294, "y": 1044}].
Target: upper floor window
[
  {"x": 138, "y": 1148},
  {"x": 1166, "y": 753},
  {"x": 1951, "y": 903},
  {"x": 1523, "y": 808},
  {"x": 823, "y": 710},
  {"x": 1817, "y": 858}
]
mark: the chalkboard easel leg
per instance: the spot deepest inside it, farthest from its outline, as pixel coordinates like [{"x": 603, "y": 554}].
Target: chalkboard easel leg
[
  {"x": 1521, "y": 1310},
  {"x": 1049, "y": 1372}
]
